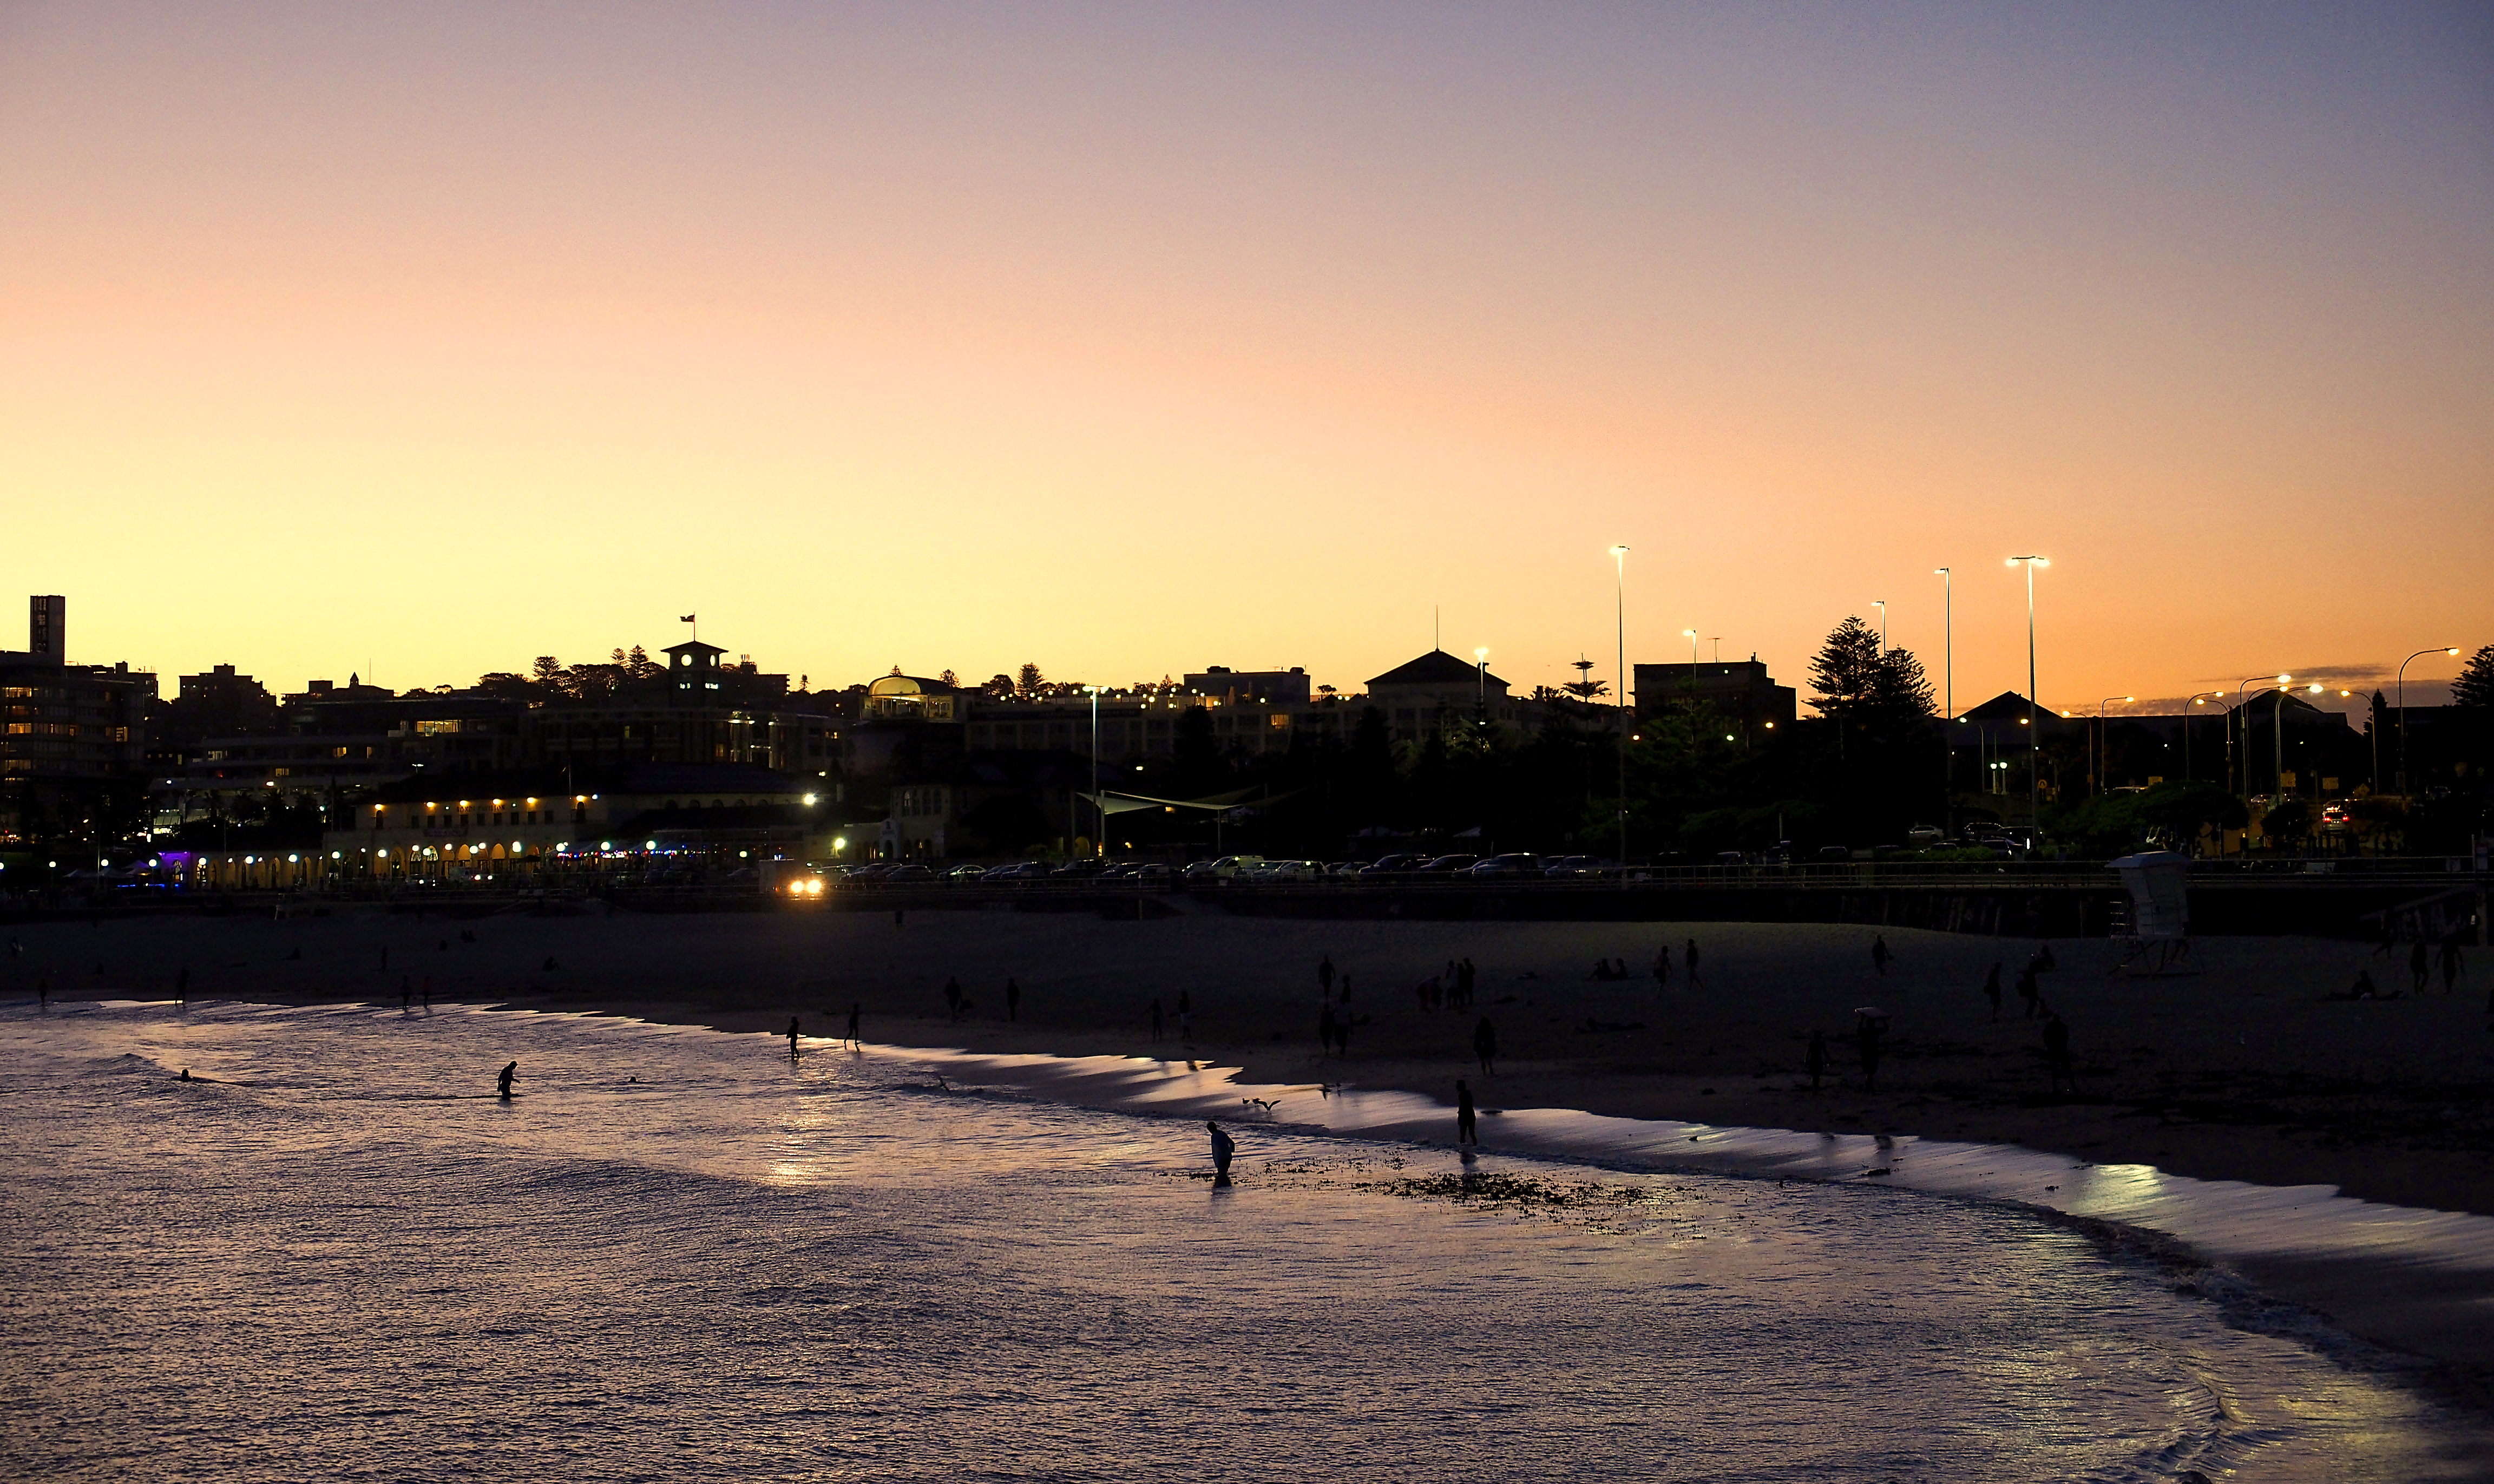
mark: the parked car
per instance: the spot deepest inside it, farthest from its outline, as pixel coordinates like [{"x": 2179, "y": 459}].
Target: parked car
[
  {"x": 1730, "y": 858},
  {"x": 908, "y": 870},
  {"x": 1446, "y": 865},
  {"x": 1513, "y": 864},
  {"x": 1018, "y": 870},
  {"x": 1833, "y": 853},
  {"x": 1394, "y": 865},
  {"x": 1290, "y": 870},
  {"x": 2335, "y": 818},
  {"x": 1926, "y": 834},
  {"x": 1568, "y": 867},
  {"x": 967, "y": 873},
  {"x": 1228, "y": 867},
  {"x": 1155, "y": 871}
]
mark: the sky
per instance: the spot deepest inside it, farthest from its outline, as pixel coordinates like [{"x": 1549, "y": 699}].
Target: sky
[{"x": 418, "y": 341}]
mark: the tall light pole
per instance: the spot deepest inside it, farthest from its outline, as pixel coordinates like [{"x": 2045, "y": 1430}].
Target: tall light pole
[
  {"x": 1881, "y": 604},
  {"x": 1620, "y": 578},
  {"x": 2102, "y": 747},
  {"x": 2034, "y": 729},
  {"x": 1480, "y": 686},
  {"x": 2403, "y": 711},
  {"x": 1948, "y": 696},
  {"x": 1099, "y": 804},
  {"x": 2198, "y": 699}
]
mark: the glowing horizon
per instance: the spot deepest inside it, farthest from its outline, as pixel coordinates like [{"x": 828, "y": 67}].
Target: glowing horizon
[{"x": 1135, "y": 341}]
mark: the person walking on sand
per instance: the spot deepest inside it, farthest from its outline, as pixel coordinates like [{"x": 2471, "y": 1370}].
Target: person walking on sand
[
  {"x": 1696, "y": 981},
  {"x": 1467, "y": 1126},
  {"x": 502, "y": 1083},
  {"x": 1324, "y": 977},
  {"x": 2057, "y": 1052},
  {"x": 1013, "y": 999},
  {"x": 2030, "y": 992},
  {"x": 2452, "y": 969},
  {"x": 1663, "y": 968},
  {"x": 1485, "y": 1046},
  {"x": 2420, "y": 968},
  {"x": 792, "y": 1041},
  {"x": 854, "y": 1010},
  {"x": 1879, "y": 955},
  {"x": 1814, "y": 1059},
  {"x": 405, "y": 996},
  {"x": 1223, "y": 1147},
  {"x": 1991, "y": 988}
]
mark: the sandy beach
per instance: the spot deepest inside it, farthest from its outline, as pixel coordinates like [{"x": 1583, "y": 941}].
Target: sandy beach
[{"x": 2244, "y": 1071}]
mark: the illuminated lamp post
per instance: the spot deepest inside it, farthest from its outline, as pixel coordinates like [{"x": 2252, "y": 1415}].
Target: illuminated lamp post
[
  {"x": 2034, "y": 731},
  {"x": 1620, "y": 579},
  {"x": 2403, "y": 711}
]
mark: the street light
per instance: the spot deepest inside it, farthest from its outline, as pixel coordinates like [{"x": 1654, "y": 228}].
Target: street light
[
  {"x": 2034, "y": 732},
  {"x": 2198, "y": 699},
  {"x": 1881, "y": 604},
  {"x": 2103, "y": 745},
  {"x": 1480, "y": 686},
  {"x": 1619, "y": 579},
  {"x": 2403, "y": 714}
]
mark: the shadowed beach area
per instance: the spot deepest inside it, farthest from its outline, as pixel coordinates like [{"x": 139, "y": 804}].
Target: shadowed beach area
[{"x": 2241, "y": 1071}]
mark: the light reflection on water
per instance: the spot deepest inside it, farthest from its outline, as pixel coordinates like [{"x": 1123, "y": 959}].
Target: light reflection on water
[{"x": 675, "y": 1256}]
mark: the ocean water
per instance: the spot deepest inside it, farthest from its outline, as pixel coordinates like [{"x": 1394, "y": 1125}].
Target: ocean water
[{"x": 676, "y": 1256}]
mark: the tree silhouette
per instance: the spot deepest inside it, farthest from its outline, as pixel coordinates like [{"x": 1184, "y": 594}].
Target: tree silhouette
[{"x": 2475, "y": 688}]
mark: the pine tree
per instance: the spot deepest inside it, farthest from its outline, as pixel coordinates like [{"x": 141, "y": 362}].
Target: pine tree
[
  {"x": 2475, "y": 688},
  {"x": 1848, "y": 675}
]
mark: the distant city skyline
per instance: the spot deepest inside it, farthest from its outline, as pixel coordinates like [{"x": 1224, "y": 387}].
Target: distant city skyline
[{"x": 419, "y": 343}]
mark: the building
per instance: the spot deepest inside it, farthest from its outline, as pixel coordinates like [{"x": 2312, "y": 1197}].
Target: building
[
  {"x": 1741, "y": 689},
  {"x": 1436, "y": 692},
  {"x": 509, "y": 820},
  {"x": 72, "y": 739},
  {"x": 1278, "y": 687}
]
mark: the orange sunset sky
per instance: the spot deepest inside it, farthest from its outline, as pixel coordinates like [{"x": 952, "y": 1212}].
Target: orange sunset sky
[{"x": 421, "y": 340}]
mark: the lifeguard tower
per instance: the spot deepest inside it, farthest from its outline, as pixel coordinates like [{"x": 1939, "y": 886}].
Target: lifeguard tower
[{"x": 2155, "y": 925}]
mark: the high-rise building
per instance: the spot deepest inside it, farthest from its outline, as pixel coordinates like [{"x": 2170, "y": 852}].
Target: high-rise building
[{"x": 72, "y": 739}]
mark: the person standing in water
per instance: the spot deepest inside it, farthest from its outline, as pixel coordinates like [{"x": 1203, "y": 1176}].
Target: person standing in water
[
  {"x": 792, "y": 1041},
  {"x": 1467, "y": 1127},
  {"x": 854, "y": 1007},
  {"x": 503, "y": 1083},
  {"x": 1223, "y": 1147}
]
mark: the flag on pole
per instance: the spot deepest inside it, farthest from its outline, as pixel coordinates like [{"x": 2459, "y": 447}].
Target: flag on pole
[{"x": 686, "y": 618}]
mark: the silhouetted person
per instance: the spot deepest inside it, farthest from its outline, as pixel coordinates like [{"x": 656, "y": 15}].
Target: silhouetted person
[
  {"x": 792, "y": 1040},
  {"x": 2043, "y": 962},
  {"x": 853, "y": 1023},
  {"x": 1223, "y": 1147},
  {"x": 1327, "y": 1026},
  {"x": 185, "y": 1077},
  {"x": 503, "y": 1083},
  {"x": 405, "y": 996},
  {"x": 1013, "y": 999},
  {"x": 1879, "y": 955},
  {"x": 1156, "y": 1020},
  {"x": 1663, "y": 968},
  {"x": 1814, "y": 1059},
  {"x": 1991, "y": 989},
  {"x": 1324, "y": 976},
  {"x": 2057, "y": 1052},
  {"x": 2452, "y": 966},
  {"x": 1690, "y": 961},
  {"x": 1485, "y": 1046},
  {"x": 1467, "y": 1127},
  {"x": 2030, "y": 992},
  {"x": 1866, "y": 1044},
  {"x": 2420, "y": 968},
  {"x": 44, "y": 993}
]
